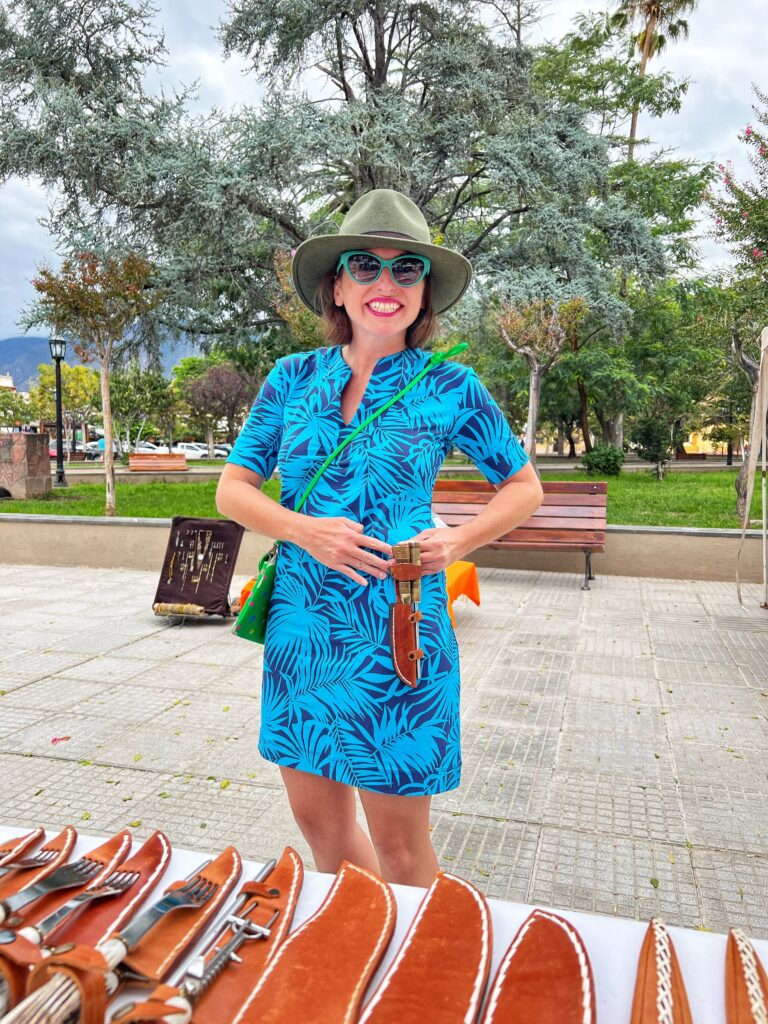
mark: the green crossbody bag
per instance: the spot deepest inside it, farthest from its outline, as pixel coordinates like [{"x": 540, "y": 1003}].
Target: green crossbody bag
[{"x": 251, "y": 623}]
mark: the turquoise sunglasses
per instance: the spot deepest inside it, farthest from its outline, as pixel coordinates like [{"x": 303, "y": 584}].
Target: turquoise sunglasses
[{"x": 365, "y": 267}]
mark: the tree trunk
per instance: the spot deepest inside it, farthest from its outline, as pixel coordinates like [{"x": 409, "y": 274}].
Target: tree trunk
[
  {"x": 110, "y": 507},
  {"x": 209, "y": 439},
  {"x": 571, "y": 442},
  {"x": 650, "y": 30},
  {"x": 534, "y": 394},
  {"x": 752, "y": 370},
  {"x": 584, "y": 416},
  {"x": 560, "y": 442}
]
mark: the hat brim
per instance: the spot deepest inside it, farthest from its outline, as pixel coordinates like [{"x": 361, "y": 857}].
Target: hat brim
[{"x": 450, "y": 272}]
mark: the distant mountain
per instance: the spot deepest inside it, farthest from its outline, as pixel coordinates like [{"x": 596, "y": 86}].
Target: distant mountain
[{"x": 21, "y": 357}]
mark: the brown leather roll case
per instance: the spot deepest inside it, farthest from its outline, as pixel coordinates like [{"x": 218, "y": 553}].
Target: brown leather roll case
[
  {"x": 61, "y": 846},
  {"x": 16, "y": 848},
  {"x": 746, "y": 985},
  {"x": 660, "y": 994}
]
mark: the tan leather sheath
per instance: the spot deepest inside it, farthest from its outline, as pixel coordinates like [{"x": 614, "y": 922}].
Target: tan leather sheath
[
  {"x": 99, "y": 920},
  {"x": 660, "y": 995},
  {"x": 167, "y": 942},
  {"x": 321, "y": 971},
  {"x": 62, "y": 846},
  {"x": 545, "y": 976},
  {"x": 221, "y": 1002},
  {"x": 17, "y": 958},
  {"x": 20, "y": 846},
  {"x": 110, "y": 855},
  {"x": 443, "y": 962},
  {"x": 87, "y": 968},
  {"x": 746, "y": 985},
  {"x": 404, "y": 614}
]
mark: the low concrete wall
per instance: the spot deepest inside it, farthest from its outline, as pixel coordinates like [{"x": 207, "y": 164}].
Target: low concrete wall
[{"x": 140, "y": 544}]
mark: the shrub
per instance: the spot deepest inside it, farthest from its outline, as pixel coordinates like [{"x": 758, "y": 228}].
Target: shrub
[{"x": 603, "y": 460}]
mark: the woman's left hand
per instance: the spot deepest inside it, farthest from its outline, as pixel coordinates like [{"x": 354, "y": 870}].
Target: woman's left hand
[{"x": 440, "y": 546}]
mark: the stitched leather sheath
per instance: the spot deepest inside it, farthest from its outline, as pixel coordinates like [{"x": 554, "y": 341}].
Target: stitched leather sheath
[
  {"x": 660, "y": 996},
  {"x": 544, "y": 976},
  {"x": 443, "y": 962},
  {"x": 61, "y": 845},
  {"x": 321, "y": 971},
  {"x": 17, "y": 848},
  {"x": 746, "y": 985},
  {"x": 165, "y": 943},
  {"x": 404, "y": 615}
]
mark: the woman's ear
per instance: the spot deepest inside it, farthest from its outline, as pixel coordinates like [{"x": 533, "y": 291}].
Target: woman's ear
[{"x": 337, "y": 298}]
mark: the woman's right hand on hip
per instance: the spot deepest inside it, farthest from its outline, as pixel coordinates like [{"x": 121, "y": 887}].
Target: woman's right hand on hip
[{"x": 341, "y": 544}]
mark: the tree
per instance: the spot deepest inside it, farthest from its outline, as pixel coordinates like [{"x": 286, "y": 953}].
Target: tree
[
  {"x": 657, "y": 17},
  {"x": 14, "y": 408},
  {"x": 136, "y": 396},
  {"x": 539, "y": 331},
  {"x": 96, "y": 300},
  {"x": 221, "y": 393},
  {"x": 79, "y": 395}
]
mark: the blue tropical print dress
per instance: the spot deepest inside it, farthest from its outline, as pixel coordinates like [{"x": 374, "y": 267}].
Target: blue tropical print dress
[{"x": 331, "y": 702}]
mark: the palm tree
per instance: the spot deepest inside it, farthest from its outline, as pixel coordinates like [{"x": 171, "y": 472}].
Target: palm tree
[{"x": 661, "y": 20}]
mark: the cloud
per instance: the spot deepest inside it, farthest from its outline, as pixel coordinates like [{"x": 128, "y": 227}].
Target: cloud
[{"x": 23, "y": 245}]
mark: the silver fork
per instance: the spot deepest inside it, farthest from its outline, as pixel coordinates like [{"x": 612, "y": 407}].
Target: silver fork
[
  {"x": 64, "y": 877},
  {"x": 39, "y": 860},
  {"x": 194, "y": 894},
  {"x": 118, "y": 882}
]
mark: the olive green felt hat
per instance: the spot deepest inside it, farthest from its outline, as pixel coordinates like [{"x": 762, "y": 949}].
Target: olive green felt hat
[{"x": 381, "y": 219}]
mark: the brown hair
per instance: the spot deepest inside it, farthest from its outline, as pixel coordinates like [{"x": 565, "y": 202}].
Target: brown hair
[{"x": 337, "y": 328}]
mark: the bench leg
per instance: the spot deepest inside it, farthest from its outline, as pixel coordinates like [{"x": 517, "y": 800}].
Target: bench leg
[{"x": 588, "y": 574}]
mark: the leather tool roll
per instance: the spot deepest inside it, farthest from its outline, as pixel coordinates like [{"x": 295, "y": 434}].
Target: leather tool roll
[
  {"x": 660, "y": 995},
  {"x": 321, "y": 971},
  {"x": 443, "y": 962},
  {"x": 87, "y": 968},
  {"x": 17, "y": 848},
  {"x": 746, "y": 985},
  {"x": 110, "y": 855},
  {"x": 404, "y": 615},
  {"x": 170, "y": 938},
  {"x": 99, "y": 920},
  {"x": 545, "y": 976},
  {"x": 17, "y": 958},
  {"x": 61, "y": 845},
  {"x": 222, "y": 1001}
]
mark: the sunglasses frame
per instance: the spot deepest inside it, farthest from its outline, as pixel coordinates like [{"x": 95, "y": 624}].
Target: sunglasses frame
[{"x": 383, "y": 265}]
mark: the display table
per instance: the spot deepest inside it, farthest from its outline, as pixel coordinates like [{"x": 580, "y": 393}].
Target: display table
[
  {"x": 613, "y": 943},
  {"x": 461, "y": 578}
]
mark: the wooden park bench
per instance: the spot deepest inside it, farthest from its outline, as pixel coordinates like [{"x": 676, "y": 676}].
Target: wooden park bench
[
  {"x": 571, "y": 517},
  {"x": 691, "y": 455},
  {"x": 150, "y": 463}
]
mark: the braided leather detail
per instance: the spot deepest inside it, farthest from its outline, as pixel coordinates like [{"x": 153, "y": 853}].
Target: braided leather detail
[
  {"x": 751, "y": 977},
  {"x": 664, "y": 999}
]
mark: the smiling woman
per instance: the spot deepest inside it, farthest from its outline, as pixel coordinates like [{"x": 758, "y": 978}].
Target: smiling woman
[{"x": 336, "y": 715}]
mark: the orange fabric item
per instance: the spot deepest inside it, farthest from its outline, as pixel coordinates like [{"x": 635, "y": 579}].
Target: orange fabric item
[
  {"x": 167, "y": 941},
  {"x": 442, "y": 966},
  {"x": 461, "y": 578},
  {"x": 245, "y": 593},
  {"x": 110, "y": 854},
  {"x": 746, "y": 985},
  {"x": 659, "y": 981},
  {"x": 87, "y": 968},
  {"x": 62, "y": 845},
  {"x": 321, "y": 971},
  {"x": 17, "y": 848},
  {"x": 545, "y": 976}
]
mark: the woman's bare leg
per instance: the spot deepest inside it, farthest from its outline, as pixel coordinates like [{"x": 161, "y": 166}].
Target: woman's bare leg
[
  {"x": 399, "y": 827},
  {"x": 325, "y": 812}
]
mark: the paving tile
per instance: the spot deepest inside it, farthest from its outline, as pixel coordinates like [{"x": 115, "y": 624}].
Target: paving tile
[
  {"x": 109, "y": 669},
  {"x": 584, "y": 870},
  {"x": 673, "y": 670},
  {"x": 613, "y": 665},
  {"x": 710, "y": 726},
  {"x": 733, "y": 890},
  {"x": 582, "y": 686},
  {"x": 62, "y": 734},
  {"x": 692, "y": 696},
  {"x": 54, "y": 693}
]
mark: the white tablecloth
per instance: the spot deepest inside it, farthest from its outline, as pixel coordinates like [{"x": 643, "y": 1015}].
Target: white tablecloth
[{"x": 613, "y": 943}]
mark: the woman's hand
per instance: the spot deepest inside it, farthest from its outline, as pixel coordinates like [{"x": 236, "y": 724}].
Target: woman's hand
[
  {"x": 440, "y": 546},
  {"x": 341, "y": 544}
]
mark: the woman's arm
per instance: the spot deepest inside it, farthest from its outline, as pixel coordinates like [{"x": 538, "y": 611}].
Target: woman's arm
[
  {"x": 334, "y": 541},
  {"x": 515, "y": 500}
]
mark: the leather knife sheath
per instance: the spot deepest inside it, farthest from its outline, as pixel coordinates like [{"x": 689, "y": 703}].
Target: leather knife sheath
[
  {"x": 62, "y": 845},
  {"x": 443, "y": 961},
  {"x": 20, "y": 846},
  {"x": 321, "y": 971},
  {"x": 404, "y": 614},
  {"x": 746, "y": 985},
  {"x": 544, "y": 976},
  {"x": 660, "y": 994}
]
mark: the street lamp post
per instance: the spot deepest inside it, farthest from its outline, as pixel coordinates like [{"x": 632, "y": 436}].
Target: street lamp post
[{"x": 58, "y": 348}]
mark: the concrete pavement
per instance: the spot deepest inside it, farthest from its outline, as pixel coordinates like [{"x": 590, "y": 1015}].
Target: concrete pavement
[{"x": 615, "y": 742}]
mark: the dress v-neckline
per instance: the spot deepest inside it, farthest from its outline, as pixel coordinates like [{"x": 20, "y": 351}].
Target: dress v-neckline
[{"x": 374, "y": 368}]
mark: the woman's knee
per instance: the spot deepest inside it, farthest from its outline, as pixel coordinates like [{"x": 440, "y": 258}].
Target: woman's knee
[{"x": 323, "y": 809}]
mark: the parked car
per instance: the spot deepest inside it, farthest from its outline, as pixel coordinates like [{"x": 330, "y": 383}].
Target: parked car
[
  {"x": 150, "y": 448},
  {"x": 192, "y": 449}
]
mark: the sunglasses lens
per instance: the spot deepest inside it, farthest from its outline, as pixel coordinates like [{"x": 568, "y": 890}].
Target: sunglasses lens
[
  {"x": 363, "y": 267},
  {"x": 408, "y": 270}
]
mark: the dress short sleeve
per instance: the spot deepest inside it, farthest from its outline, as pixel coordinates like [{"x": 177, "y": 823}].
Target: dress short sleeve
[
  {"x": 258, "y": 443},
  {"x": 481, "y": 432}
]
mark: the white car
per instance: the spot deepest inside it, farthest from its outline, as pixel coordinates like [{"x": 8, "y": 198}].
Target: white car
[
  {"x": 192, "y": 449},
  {"x": 149, "y": 448}
]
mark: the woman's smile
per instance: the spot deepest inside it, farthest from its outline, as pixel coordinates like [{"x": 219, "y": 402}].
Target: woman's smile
[{"x": 384, "y": 307}]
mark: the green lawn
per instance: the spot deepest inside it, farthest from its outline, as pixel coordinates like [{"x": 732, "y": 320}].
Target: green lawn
[{"x": 636, "y": 499}]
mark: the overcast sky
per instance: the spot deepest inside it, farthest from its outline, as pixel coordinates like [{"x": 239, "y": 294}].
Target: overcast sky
[{"x": 723, "y": 56}]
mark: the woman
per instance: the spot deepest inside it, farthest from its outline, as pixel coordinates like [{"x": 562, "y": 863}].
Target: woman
[{"x": 335, "y": 716}]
